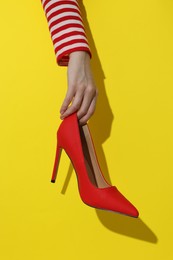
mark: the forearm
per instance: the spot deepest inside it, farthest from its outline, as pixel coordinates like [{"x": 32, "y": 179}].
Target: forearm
[{"x": 66, "y": 28}]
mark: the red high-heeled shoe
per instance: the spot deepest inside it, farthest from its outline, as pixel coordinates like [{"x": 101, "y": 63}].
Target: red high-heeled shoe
[{"x": 94, "y": 190}]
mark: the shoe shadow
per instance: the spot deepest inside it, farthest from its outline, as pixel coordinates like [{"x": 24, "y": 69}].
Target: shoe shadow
[
  {"x": 124, "y": 225},
  {"x": 118, "y": 223}
]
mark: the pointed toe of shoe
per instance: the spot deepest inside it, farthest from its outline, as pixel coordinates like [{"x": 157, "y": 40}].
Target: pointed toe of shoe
[
  {"x": 133, "y": 212},
  {"x": 121, "y": 205}
]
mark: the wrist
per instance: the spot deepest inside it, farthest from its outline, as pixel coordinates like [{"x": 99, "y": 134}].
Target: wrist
[{"x": 79, "y": 54}]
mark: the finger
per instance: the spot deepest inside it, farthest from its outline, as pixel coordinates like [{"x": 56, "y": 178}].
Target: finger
[
  {"x": 90, "y": 93},
  {"x": 90, "y": 112},
  {"x": 76, "y": 103},
  {"x": 68, "y": 99}
]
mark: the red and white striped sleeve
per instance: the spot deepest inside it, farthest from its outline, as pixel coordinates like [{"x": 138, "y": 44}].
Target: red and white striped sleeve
[{"x": 66, "y": 28}]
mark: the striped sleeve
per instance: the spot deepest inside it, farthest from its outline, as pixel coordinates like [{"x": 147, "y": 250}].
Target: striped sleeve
[{"x": 66, "y": 28}]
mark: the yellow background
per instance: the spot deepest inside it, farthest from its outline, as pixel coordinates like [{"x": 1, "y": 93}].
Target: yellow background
[{"x": 132, "y": 129}]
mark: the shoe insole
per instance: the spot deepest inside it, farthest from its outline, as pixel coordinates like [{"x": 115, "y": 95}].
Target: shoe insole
[{"x": 94, "y": 172}]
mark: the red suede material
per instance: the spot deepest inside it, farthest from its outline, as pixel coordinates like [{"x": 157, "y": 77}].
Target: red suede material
[{"x": 109, "y": 198}]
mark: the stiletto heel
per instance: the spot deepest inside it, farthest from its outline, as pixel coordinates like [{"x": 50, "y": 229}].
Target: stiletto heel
[
  {"x": 94, "y": 190},
  {"x": 56, "y": 163}
]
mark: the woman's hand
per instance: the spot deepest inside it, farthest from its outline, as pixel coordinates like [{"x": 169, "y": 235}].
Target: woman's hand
[{"x": 82, "y": 93}]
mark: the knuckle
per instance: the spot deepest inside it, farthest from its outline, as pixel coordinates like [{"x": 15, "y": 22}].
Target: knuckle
[
  {"x": 91, "y": 89},
  {"x": 80, "y": 87},
  {"x": 82, "y": 113},
  {"x": 75, "y": 106}
]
